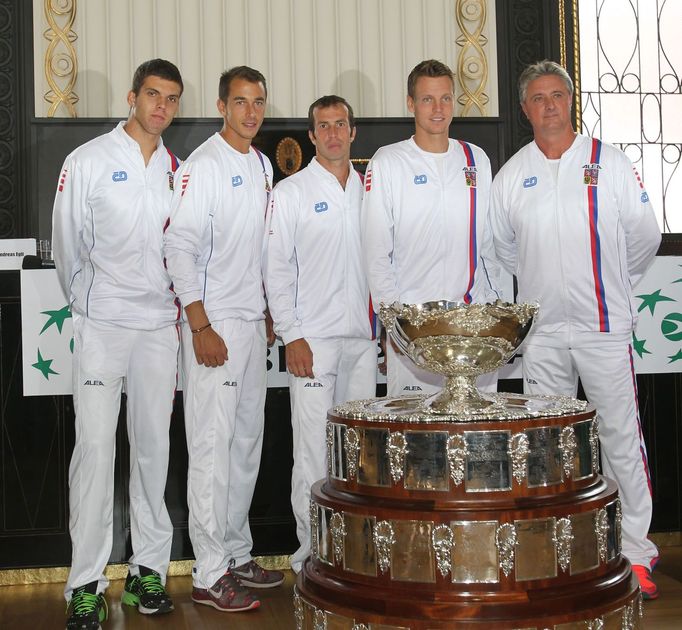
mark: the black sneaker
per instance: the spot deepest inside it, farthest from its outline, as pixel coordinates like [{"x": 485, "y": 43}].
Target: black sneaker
[
  {"x": 86, "y": 610},
  {"x": 146, "y": 591}
]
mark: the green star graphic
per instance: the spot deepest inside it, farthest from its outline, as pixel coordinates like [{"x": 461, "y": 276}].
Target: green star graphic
[
  {"x": 676, "y": 357},
  {"x": 56, "y": 317},
  {"x": 649, "y": 300},
  {"x": 679, "y": 279},
  {"x": 638, "y": 345},
  {"x": 44, "y": 366}
]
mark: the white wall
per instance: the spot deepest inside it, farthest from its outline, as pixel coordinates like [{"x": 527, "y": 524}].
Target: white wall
[{"x": 361, "y": 49}]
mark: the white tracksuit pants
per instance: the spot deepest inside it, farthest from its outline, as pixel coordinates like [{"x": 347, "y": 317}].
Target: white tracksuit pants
[
  {"x": 404, "y": 377},
  {"x": 345, "y": 369},
  {"x": 224, "y": 419},
  {"x": 608, "y": 378},
  {"x": 105, "y": 356}
]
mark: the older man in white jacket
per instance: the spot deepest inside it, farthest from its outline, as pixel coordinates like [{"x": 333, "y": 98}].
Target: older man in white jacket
[{"x": 571, "y": 219}]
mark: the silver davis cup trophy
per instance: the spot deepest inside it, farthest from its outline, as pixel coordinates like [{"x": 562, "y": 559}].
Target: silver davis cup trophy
[
  {"x": 461, "y": 342},
  {"x": 464, "y": 510}
]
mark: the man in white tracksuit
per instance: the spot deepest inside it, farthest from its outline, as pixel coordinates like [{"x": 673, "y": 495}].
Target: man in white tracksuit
[
  {"x": 213, "y": 247},
  {"x": 571, "y": 219},
  {"x": 112, "y": 201},
  {"x": 423, "y": 215},
  {"x": 319, "y": 297}
]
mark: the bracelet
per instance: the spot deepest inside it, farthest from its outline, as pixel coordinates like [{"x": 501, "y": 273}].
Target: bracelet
[{"x": 198, "y": 330}]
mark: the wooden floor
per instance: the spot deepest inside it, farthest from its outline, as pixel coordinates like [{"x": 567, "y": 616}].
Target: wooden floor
[{"x": 42, "y": 606}]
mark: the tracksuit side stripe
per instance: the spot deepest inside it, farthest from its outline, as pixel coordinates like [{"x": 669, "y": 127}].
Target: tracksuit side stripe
[
  {"x": 595, "y": 244},
  {"x": 176, "y": 299},
  {"x": 175, "y": 163},
  {"x": 473, "y": 254},
  {"x": 642, "y": 448},
  {"x": 372, "y": 314}
]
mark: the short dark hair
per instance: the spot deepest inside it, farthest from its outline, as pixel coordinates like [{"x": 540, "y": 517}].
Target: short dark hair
[
  {"x": 156, "y": 68},
  {"x": 239, "y": 72},
  {"x": 542, "y": 69},
  {"x": 428, "y": 68},
  {"x": 329, "y": 101}
]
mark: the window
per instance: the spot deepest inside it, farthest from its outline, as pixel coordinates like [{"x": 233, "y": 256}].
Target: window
[{"x": 631, "y": 92}]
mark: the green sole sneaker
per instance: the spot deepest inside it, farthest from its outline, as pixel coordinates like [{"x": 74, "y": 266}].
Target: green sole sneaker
[
  {"x": 130, "y": 599},
  {"x": 147, "y": 593},
  {"x": 87, "y": 609}
]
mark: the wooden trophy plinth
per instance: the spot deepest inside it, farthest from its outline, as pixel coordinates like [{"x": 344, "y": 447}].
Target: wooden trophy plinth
[{"x": 429, "y": 522}]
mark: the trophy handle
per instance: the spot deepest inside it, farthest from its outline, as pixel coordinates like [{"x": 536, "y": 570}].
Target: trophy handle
[
  {"x": 399, "y": 338},
  {"x": 387, "y": 315}
]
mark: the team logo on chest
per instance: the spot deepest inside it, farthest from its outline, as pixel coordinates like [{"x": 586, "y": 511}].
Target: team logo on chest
[
  {"x": 368, "y": 181},
  {"x": 470, "y": 176},
  {"x": 529, "y": 182},
  {"x": 321, "y": 206},
  {"x": 119, "y": 176},
  {"x": 170, "y": 180},
  {"x": 591, "y": 174},
  {"x": 420, "y": 179},
  {"x": 237, "y": 181}
]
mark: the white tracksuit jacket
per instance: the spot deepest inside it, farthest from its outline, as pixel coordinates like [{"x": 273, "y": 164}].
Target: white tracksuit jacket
[
  {"x": 107, "y": 226},
  {"x": 214, "y": 248},
  {"x": 108, "y": 221},
  {"x": 424, "y": 219},
  {"x": 577, "y": 246},
  {"x": 314, "y": 278},
  {"x": 214, "y": 241}
]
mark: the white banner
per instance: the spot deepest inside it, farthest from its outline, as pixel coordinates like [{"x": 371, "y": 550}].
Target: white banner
[
  {"x": 47, "y": 336},
  {"x": 657, "y": 342}
]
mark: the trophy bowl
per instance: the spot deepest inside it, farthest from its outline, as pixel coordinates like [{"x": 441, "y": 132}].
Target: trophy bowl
[{"x": 459, "y": 341}]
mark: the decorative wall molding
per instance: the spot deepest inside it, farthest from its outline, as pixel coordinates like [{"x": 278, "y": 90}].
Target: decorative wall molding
[
  {"x": 11, "y": 119},
  {"x": 7, "y": 121},
  {"x": 472, "y": 60},
  {"x": 362, "y": 49},
  {"x": 61, "y": 62}
]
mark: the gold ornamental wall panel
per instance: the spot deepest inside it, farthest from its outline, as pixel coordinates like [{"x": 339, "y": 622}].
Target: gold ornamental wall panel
[
  {"x": 61, "y": 63},
  {"x": 85, "y": 51}
]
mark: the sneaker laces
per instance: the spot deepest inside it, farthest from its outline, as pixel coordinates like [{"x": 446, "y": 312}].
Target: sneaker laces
[
  {"x": 152, "y": 584},
  {"x": 84, "y": 603},
  {"x": 230, "y": 582},
  {"x": 236, "y": 590}
]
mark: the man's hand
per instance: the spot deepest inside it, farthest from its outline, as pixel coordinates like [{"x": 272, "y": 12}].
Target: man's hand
[
  {"x": 299, "y": 358},
  {"x": 209, "y": 348}
]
